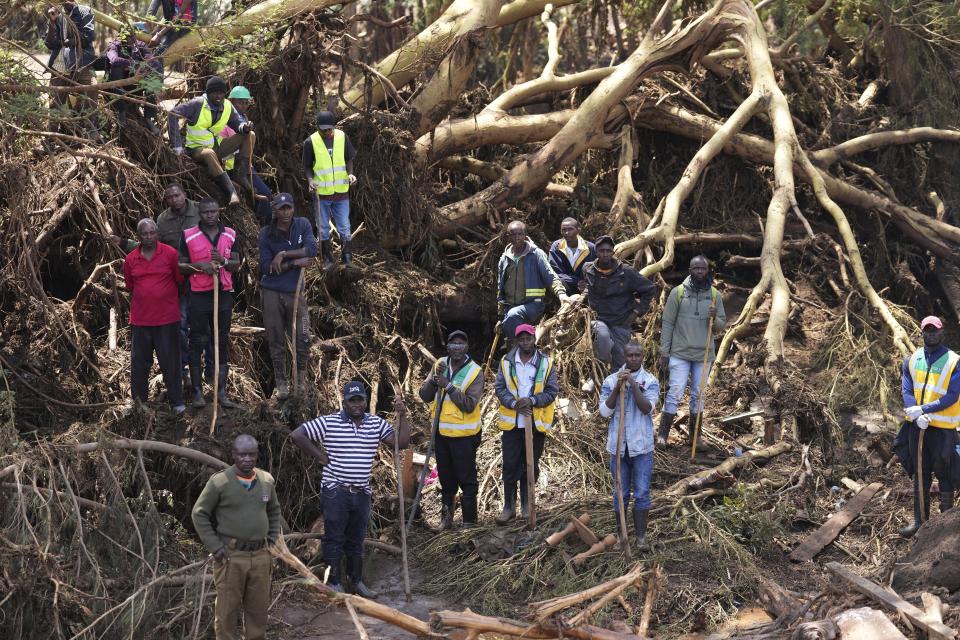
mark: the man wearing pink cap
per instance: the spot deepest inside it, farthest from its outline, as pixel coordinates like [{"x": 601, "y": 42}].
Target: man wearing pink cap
[
  {"x": 931, "y": 390},
  {"x": 527, "y": 389}
]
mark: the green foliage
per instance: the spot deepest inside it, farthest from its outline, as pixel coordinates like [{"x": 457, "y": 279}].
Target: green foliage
[
  {"x": 251, "y": 52},
  {"x": 745, "y": 519}
]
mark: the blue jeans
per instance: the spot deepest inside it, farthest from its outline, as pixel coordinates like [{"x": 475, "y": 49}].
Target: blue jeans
[
  {"x": 681, "y": 372},
  {"x": 264, "y": 208},
  {"x": 635, "y": 474},
  {"x": 340, "y": 210},
  {"x": 345, "y": 516},
  {"x": 529, "y": 313}
]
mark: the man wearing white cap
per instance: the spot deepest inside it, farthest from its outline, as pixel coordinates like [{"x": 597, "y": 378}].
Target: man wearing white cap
[{"x": 931, "y": 390}]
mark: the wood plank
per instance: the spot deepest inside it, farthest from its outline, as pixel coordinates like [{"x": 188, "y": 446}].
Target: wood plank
[
  {"x": 866, "y": 624},
  {"x": 890, "y": 599},
  {"x": 826, "y": 534}
]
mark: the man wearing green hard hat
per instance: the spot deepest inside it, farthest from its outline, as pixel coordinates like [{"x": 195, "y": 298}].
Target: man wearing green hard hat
[{"x": 241, "y": 99}]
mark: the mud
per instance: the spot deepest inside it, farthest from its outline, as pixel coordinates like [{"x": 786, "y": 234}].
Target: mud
[{"x": 934, "y": 558}]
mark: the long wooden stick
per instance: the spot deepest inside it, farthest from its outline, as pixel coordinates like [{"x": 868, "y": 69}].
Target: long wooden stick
[
  {"x": 403, "y": 507},
  {"x": 216, "y": 348},
  {"x": 493, "y": 348},
  {"x": 293, "y": 331},
  {"x": 920, "y": 491},
  {"x": 624, "y": 537},
  {"x": 426, "y": 462},
  {"x": 531, "y": 480},
  {"x": 703, "y": 381},
  {"x": 651, "y": 598}
]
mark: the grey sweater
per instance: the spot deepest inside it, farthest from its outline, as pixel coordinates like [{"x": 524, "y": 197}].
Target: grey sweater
[{"x": 684, "y": 331}]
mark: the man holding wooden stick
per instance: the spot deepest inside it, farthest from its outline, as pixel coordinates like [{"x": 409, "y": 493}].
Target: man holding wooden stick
[
  {"x": 206, "y": 251},
  {"x": 686, "y": 342},
  {"x": 527, "y": 389},
  {"x": 350, "y": 439},
  {"x": 930, "y": 386},
  {"x": 640, "y": 391}
]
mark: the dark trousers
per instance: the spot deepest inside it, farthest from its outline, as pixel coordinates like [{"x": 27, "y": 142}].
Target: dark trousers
[
  {"x": 185, "y": 333},
  {"x": 264, "y": 208},
  {"x": 938, "y": 452},
  {"x": 457, "y": 465},
  {"x": 201, "y": 322},
  {"x": 165, "y": 341},
  {"x": 345, "y": 516},
  {"x": 278, "y": 321},
  {"x": 515, "y": 456}
]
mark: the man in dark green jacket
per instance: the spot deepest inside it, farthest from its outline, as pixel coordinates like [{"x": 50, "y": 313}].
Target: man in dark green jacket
[
  {"x": 237, "y": 516},
  {"x": 690, "y": 309}
]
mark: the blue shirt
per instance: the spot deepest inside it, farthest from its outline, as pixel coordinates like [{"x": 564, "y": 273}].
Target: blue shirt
[
  {"x": 906, "y": 383},
  {"x": 272, "y": 241},
  {"x": 638, "y": 434}
]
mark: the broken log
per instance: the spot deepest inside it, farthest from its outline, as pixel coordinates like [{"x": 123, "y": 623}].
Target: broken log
[
  {"x": 866, "y": 624},
  {"x": 599, "y": 547},
  {"x": 728, "y": 466},
  {"x": 834, "y": 525},
  {"x": 890, "y": 599},
  {"x": 151, "y": 445},
  {"x": 558, "y": 537},
  {"x": 546, "y": 608}
]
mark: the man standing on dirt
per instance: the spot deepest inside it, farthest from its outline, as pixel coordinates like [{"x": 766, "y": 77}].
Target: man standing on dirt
[
  {"x": 287, "y": 246},
  {"x": 570, "y": 254},
  {"x": 640, "y": 391},
  {"x": 930, "y": 383},
  {"x": 328, "y": 162},
  {"x": 527, "y": 389},
  {"x": 618, "y": 294},
  {"x": 207, "y": 249},
  {"x": 523, "y": 275},
  {"x": 456, "y": 383},
  {"x": 346, "y": 442},
  {"x": 206, "y": 117},
  {"x": 153, "y": 279},
  {"x": 690, "y": 309},
  {"x": 237, "y": 516}
]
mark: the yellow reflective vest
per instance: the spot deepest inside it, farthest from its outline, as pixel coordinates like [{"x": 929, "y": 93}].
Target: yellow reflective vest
[
  {"x": 542, "y": 416},
  {"x": 330, "y": 173},
  {"x": 203, "y": 133},
  {"x": 454, "y": 423},
  {"x": 930, "y": 382}
]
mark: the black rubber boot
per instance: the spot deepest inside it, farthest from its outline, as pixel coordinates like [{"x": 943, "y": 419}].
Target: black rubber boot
[
  {"x": 346, "y": 252},
  {"x": 222, "y": 397},
  {"x": 223, "y": 181},
  {"x": 524, "y": 501},
  {"x": 326, "y": 250},
  {"x": 509, "y": 503},
  {"x": 333, "y": 580},
  {"x": 946, "y": 500},
  {"x": 468, "y": 506},
  {"x": 446, "y": 519},
  {"x": 355, "y": 572},
  {"x": 640, "y": 525},
  {"x": 907, "y": 532},
  {"x": 663, "y": 434},
  {"x": 241, "y": 172},
  {"x": 197, "y": 388},
  {"x": 693, "y": 425}
]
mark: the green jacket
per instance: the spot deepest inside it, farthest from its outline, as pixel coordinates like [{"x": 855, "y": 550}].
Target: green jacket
[
  {"x": 225, "y": 509},
  {"x": 684, "y": 330}
]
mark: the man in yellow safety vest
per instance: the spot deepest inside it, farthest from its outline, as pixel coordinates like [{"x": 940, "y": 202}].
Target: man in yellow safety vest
[{"x": 328, "y": 162}]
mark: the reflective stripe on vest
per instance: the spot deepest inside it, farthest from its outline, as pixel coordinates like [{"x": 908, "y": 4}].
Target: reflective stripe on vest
[
  {"x": 542, "y": 416},
  {"x": 455, "y": 423},
  {"x": 936, "y": 377},
  {"x": 199, "y": 248},
  {"x": 330, "y": 174},
  {"x": 202, "y": 134}
]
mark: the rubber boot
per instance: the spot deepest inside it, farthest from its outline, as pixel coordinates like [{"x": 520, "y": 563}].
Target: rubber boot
[
  {"x": 509, "y": 503},
  {"x": 222, "y": 397},
  {"x": 241, "y": 172},
  {"x": 446, "y": 519},
  {"x": 326, "y": 249},
  {"x": 909, "y": 531},
  {"x": 283, "y": 388},
  {"x": 347, "y": 252},
  {"x": 693, "y": 425},
  {"x": 197, "y": 388},
  {"x": 223, "y": 181},
  {"x": 468, "y": 506},
  {"x": 946, "y": 500},
  {"x": 355, "y": 572},
  {"x": 333, "y": 580},
  {"x": 663, "y": 434},
  {"x": 640, "y": 525},
  {"x": 524, "y": 501}
]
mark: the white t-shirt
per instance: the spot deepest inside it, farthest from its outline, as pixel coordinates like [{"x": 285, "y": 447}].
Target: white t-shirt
[
  {"x": 573, "y": 253},
  {"x": 526, "y": 376}
]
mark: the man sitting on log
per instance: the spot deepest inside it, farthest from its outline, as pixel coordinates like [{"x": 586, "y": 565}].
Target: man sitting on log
[
  {"x": 454, "y": 389},
  {"x": 527, "y": 389},
  {"x": 523, "y": 275},
  {"x": 639, "y": 391},
  {"x": 241, "y": 99},
  {"x": 349, "y": 439},
  {"x": 570, "y": 254}
]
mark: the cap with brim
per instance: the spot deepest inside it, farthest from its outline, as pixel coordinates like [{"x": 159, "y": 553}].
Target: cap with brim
[
  {"x": 457, "y": 334},
  {"x": 282, "y": 200},
  {"x": 525, "y": 328},
  {"x": 604, "y": 240},
  {"x": 354, "y": 389},
  {"x": 931, "y": 321}
]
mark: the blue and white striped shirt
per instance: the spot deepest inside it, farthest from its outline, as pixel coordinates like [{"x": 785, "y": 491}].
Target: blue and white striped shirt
[{"x": 351, "y": 448}]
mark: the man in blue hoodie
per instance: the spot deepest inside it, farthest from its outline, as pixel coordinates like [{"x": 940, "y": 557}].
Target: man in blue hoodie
[{"x": 523, "y": 276}]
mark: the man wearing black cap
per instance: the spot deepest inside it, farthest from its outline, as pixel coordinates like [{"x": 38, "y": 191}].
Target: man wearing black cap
[
  {"x": 346, "y": 444},
  {"x": 206, "y": 117},
  {"x": 454, "y": 389},
  {"x": 618, "y": 294},
  {"x": 286, "y": 245},
  {"x": 328, "y": 162}
]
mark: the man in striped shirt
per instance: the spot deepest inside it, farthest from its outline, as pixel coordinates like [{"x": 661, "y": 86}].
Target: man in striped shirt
[{"x": 349, "y": 439}]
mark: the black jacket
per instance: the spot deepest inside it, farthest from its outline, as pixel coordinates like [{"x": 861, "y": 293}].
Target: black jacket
[{"x": 619, "y": 296}]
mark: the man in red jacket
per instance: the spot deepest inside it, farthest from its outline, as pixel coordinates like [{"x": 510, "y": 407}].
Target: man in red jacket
[{"x": 153, "y": 278}]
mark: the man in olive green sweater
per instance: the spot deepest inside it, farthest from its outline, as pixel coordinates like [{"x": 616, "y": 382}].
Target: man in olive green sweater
[{"x": 237, "y": 516}]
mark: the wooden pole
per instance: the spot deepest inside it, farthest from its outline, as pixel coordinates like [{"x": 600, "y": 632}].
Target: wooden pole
[
  {"x": 493, "y": 348},
  {"x": 703, "y": 380},
  {"x": 426, "y": 462},
  {"x": 920, "y": 491},
  {"x": 293, "y": 331},
  {"x": 216, "y": 347},
  {"x": 403, "y": 507},
  {"x": 531, "y": 480},
  {"x": 624, "y": 537}
]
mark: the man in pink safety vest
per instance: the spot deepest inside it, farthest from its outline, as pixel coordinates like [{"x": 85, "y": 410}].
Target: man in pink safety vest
[{"x": 207, "y": 249}]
